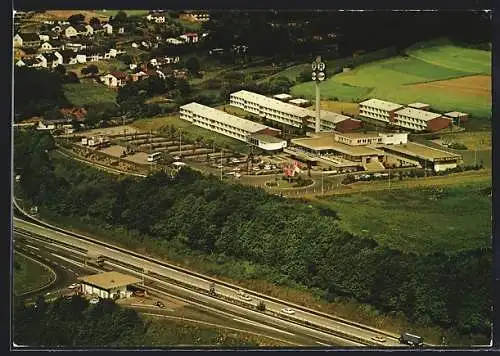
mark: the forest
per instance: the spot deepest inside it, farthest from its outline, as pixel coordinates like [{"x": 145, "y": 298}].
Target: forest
[{"x": 299, "y": 239}]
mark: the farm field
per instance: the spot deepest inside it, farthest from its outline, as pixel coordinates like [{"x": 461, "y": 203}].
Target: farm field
[
  {"x": 473, "y": 140},
  {"x": 449, "y": 78},
  {"x": 80, "y": 94},
  {"x": 351, "y": 109},
  {"x": 421, "y": 220}
]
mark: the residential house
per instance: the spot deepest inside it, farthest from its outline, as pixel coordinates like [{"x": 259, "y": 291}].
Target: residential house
[
  {"x": 189, "y": 37},
  {"x": 81, "y": 58},
  {"x": 59, "y": 57},
  {"x": 139, "y": 76},
  {"x": 50, "y": 46},
  {"x": 112, "y": 53},
  {"x": 114, "y": 79},
  {"x": 134, "y": 45},
  {"x": 52, "y": 125},
  {"x": 89, "y": 29},
  {"x": 121, "y": 30},
  {"x": 173, "y": 41},
  {"x": 156, "y": 17},
  {"x": 69, "y": 32},
  {"x": 29, "y": 40},
  {"x": 44, "y": 37},
  {"x": 76, "y": 47},
  {"x": 108, "y": 28},
  {"x": 50, "y": 60},
  {"x": 84, "y": 29},
  {"x": 180, "y": 74},
  {"x": 132, "y": 66},
  {"x": 43, "y": 60}
]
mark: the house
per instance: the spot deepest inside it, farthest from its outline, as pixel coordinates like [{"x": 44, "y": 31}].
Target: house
[
  {"x": 44, "y": 37},
  {"x": 180, "y": 74},
  {"x": 189, "y": 37},
  {"x": 132, "y": 66},
  {"x": 89, "y": 30},
  {"x": 111, "y": 285},
  {"x": 134, "y": 45},
  {"x": 156, "y": 17},
  {"x": 108, "y": 28},
  {"x": 112, "y": 53},
  {"x": 75, "y": 46},
  {"x": 121, "y": 30},
  {"x": 97, "y": 28},
  {"x": 114, "y": 79},
  {"x": 69, "y": 32},
  {"x": 81, "y": 58},
  {"x": 50, "y": 46},
  {"x": 43, "y": 60},
  {"x": 51, "y": 60},
  {"x": 83, "y": 29},
  {"x": 173, "y": 41},
  {"x": 139, "y": 76},
  {"x": 31, "y": 62},
  {"x": 68, "y": 56},
  {"x": 30, "y": 40}
]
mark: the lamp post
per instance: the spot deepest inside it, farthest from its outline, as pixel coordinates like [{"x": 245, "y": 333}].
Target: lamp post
[{"x": 318, "y": 75}]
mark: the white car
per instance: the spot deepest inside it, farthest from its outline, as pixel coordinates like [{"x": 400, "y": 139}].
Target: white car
[
  {"x": 244, "y": 296},
  {"x": 256, "y": 168},
  {"x": 94, "y": 301},
  {"x": 288, "y": 311},
  {"x": 73, "y": 286},
  {"x": 177, "y": 158}
]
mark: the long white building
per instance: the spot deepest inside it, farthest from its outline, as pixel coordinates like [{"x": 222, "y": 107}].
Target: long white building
[
  {"x": 379, "y": 110},
  {"x": 232, "y": 126},
  {"x": 289, "y": 114}
]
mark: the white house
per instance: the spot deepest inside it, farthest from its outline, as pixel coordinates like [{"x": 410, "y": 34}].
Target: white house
[
  {"x": 90, "y": 30},
  {"x": 174, "y": 41},
  {"x": 135, "y": 45},
  {"x": 121, "y": 30},
  {"x": 114, "y": 79},
  {"x": 189, "y": 37},
  {"x": 17, "y": 41},
  {"x": 43, "y": 60},
  {"x": 108, "y": 284},
  {"x": 50, "y": 46},
  {"x": 81, "y": 58},
  {"x": 157, "y": 18},
  {"x": 109, "y": 28},
  {"x": 44, "y": 37},
  {"x": 70, "y": 31}
]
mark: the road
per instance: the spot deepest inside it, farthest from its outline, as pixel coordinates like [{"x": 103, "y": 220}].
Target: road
[
  {"x": 69, "y": 266},
  {"x": 274, "y": 306}
]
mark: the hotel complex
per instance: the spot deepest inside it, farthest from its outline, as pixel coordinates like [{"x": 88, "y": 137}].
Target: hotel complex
[
  {"x": 232, "y": 126},
  {"x": 408, "y": 118},
  {"x": 289, "y": 114}
]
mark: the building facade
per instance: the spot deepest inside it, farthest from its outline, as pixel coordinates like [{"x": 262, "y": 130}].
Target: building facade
[
  {"x": 228, "y": 125},
  {"x": 379, "y": 110},
  {"x": 420, "y": 120}
]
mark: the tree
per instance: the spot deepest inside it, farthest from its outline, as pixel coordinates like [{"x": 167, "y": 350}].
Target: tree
[
  {"x": 71, "y": 77},
  {"x": 76, "y": 19},
  {"x": 126, "y": 59},
  {"x": 60, "y": 69},
  {"x": 120, "y": 17},
  {"x": 92, "y": 69},
  {"x": 193, "y": 65}
]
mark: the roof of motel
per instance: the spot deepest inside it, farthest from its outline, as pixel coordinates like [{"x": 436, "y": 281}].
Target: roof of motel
[
  {"x": 418, "y": 114},
  {"x": 455, "y": 114},
  {"x": 418, "y": 105},
  {"x": 108, "y": 280},
  {"x": 282, "y": 96},
  {"x": 299, "y": 101},
  {"x": 381, "y": 104},
  {"x": 221, "y": 116},
  {"x": 327, "y": 142},
  {"x": 354, "y": 135},
  {"x": 421, "y": 151},
  {"x": 332, "y": 116},
  {"x": 272, "y": 103}
]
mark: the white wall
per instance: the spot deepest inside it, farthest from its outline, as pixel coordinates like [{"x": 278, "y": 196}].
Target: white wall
[
  {"x": 444, "y": 166},
  {"x": 394, "y": 138},
  {"x": 272, "y": 146}
]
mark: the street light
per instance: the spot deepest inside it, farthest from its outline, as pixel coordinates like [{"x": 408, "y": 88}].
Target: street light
[{"x": 318, "y": 75}]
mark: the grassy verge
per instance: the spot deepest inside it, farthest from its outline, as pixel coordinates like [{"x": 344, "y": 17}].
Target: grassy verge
[
  {"x": 80, "y": 94},
  {"x": 168, "y": 332},
  {"x": 28, "y": 275},
  {"x": 407, "y": 219}
]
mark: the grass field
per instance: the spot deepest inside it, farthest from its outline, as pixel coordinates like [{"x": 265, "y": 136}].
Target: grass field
[
  {"x": 472, "y": 140},
  {"x": 412, "y": 220},
  {"x": 189, "y": 130},
  {"x": 104, "y": 66},
  {"x": 445, "y": 76},
  {"x": 351, "y": 109},
  {"x": 113, "y": 12},
  {"x": 29, "y": 275},
  {"x": 87, "y": 94}
]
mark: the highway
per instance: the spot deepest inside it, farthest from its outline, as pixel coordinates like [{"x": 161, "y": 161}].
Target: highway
[
  {"x": 306, "y": 317},
  {"x": 70, "y": 265}
]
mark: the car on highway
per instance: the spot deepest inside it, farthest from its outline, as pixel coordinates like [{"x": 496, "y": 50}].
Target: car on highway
[
  {"x": 288, "y": 311},
  {"x": 242, "y": 295},
  {"x": 379, "y": 339},
  {"x": 159, "y": 304},
  {"x": 94, "y": 301}
]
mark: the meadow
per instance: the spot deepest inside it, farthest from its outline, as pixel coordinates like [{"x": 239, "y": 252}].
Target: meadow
[
  {"x": 426, "y": 73},
  {"x": 28, "y": 275},
  {"x": 80, "y": 94},
  {"x": 421, "y": 220}
]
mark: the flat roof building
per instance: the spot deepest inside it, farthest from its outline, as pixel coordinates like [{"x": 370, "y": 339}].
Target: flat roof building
[
  {"x": 457, "y": 117},
  {"x": 108, "y": 284},
  {"x": 282, "y": 97},
  {"x": 420, "y": 106},
  {"x": 285, "y": 113},
  {"x": 420, "y": 120},
  {"x": 299, "y": 102},
  {"x": 228, "y": 125}
]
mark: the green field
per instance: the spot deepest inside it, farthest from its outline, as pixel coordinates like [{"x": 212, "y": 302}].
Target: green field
[
  {"x": 422, "y": 220},
  {"x": 128, "y": 12},
  {"x": 28, "y": 275},
  {"x": 393, "y": 78},
  {"x": 87, "y": 94}
]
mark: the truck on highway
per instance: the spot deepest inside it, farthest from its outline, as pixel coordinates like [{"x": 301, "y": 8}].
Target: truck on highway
[{"x": 412, "y": 340}]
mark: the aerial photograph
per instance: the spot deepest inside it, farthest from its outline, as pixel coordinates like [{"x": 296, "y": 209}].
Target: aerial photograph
[{"x": 251, "y": 179}]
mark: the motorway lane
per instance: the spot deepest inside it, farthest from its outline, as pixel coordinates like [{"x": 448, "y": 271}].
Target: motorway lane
[
  {"x": 200, "y": 283},
  {"x": 289, "y": 334}
]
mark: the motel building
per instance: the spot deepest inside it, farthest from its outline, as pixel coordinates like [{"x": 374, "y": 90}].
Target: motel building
[
  {"x": 232, "y": 126},
  {"x": 108, "y": 285},
  {"x": 289, "y": 114},
  {"x": 412, "y": 118}
]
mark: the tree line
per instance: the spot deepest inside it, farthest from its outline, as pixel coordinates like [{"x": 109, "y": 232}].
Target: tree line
[{"x": 301, "y": 241}]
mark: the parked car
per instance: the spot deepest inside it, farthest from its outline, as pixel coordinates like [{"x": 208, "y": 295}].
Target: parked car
[
  {"x": 159, "y": 304},
  {"x": 288, "y": 311},
  {"x": 94, "y": 301}
]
